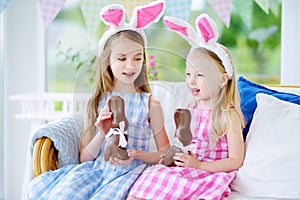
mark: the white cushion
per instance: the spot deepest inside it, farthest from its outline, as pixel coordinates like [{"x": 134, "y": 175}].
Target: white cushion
[{"x": 272, "y": 161}]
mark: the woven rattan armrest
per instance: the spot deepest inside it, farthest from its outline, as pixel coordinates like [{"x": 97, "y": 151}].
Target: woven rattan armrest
[{"x": 44, "y": 156}]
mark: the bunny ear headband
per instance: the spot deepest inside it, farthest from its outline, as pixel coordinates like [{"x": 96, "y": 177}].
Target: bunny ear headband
[
  {"x": 206, "y": 37},
  {"x": 113, "y": 15}
]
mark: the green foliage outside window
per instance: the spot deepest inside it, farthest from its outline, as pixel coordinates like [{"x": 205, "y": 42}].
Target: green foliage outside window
[{"x": 256, "y": 50}]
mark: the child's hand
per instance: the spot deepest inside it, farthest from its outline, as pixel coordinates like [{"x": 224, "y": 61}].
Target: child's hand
[
  {"x": 185, "y": 160},
  {"x": 133, "y": 153},
  {"x": 162, "y": 157},
  {"x": 117, "y": 161},
  {"x": 103, "y": 121}
]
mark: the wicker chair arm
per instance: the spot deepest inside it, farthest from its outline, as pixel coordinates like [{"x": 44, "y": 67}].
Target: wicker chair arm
[
  {"x": 56, "y": 144},
  {"x": 45, "y": 156}
]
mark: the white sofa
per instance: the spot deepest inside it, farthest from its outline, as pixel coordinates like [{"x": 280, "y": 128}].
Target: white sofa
[{"x": 173, "y": 95}]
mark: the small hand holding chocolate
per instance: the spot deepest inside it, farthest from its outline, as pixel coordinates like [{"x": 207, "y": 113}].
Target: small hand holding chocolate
[{"x": 103, "y": 121}]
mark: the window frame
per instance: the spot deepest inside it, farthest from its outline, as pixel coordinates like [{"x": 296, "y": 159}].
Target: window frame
[
  {"x": 290, "y": 47},
  {"x": 1, "y": 109}
]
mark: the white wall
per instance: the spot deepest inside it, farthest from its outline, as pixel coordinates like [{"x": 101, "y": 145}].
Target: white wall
[
  {"x": 1, "y": 109},
  {"x": 290, "y": 43},
  {"x": 23, "y": 73}
]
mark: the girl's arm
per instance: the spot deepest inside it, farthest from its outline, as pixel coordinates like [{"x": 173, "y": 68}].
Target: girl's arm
[
  {"x": 92, "y": 141},
  {"x": 160, "y": 136},
  {"x": 235, "y": 150}
]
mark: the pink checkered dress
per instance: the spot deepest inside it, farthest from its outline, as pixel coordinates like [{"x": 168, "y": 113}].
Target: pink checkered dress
[{"x": 161, "y": 182}]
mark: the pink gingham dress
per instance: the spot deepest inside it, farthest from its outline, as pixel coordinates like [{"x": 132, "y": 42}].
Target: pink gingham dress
[{"x": 161, "y": 182}]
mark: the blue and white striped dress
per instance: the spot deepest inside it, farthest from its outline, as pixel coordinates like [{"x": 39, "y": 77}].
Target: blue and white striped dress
[{"x": 99, "y": 179}]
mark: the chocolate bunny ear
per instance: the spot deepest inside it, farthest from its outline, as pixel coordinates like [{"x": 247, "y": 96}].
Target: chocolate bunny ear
[
  {"x": 113, "y": 15},
  {"x": 143, "y": 16}
]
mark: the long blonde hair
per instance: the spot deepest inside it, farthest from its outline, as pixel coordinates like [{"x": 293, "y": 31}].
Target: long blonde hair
[
  {"x": 226, "y": 103},
  {"x": 105, "y": 81}
]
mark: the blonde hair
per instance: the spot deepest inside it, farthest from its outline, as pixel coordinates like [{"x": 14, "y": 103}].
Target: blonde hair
[
  {"x": 105, "y": 81},
  {"x": 226, "y": 104}
]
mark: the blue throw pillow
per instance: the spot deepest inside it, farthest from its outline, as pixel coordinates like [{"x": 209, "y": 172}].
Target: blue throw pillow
[{"x": 248, "y": 91}]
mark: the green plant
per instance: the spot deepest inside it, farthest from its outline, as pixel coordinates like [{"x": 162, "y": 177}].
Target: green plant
[{"x": 79, "y": 59}]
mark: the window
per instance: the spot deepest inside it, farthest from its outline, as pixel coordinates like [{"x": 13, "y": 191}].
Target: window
[
  {"x": 65, "y": 36},
  {"x": 255, "y": 48}
]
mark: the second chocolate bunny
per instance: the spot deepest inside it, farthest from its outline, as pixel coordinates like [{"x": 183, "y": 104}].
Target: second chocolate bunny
[{"x": 182, "y": 118}]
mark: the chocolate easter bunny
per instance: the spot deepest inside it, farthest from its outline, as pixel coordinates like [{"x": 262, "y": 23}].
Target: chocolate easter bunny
[
  {"x": 115, "y": 145},
  {"x": 183, "y": 135}
]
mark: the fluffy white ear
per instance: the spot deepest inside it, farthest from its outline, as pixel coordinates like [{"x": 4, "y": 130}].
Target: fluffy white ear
[
  {"x": 143, "y": 16},
  {"x": 113, "y": 15},
  {"x": 184, "y": 29},
  {"x": 207, "y": 29}
]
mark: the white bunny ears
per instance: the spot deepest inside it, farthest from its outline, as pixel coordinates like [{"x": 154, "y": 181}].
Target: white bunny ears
[
  {"x": 114, "y": 15},
  {"x": 206, "y": 37}
]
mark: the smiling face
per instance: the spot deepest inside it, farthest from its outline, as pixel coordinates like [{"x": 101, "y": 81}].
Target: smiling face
[
  {"x": 126, "y": 61},
  {"x": 203, "y": 77}
]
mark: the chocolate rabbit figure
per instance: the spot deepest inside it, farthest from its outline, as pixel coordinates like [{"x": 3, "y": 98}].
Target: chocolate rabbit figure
[
  {"x": 182, "y": 118},
  {"x": 115, "y": 145}
]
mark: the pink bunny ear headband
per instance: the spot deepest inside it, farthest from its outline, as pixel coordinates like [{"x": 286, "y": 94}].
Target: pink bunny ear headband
[
  {"x": 114, "y": 15},
  {"x": 206, "y": 37}
]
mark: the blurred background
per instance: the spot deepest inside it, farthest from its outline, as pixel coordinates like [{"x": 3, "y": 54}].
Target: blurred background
[{"x": 252, "y": 34}]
